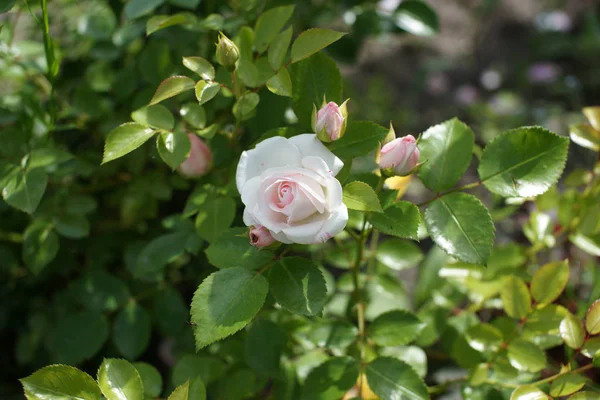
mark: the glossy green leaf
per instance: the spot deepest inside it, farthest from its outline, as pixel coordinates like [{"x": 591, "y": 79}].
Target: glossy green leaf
[
  {"x": 549, "y": 281},
  {"x": 138, "y": 8},
  {"x": 567, "y": 384},
  {"x": 394, "y": 328},
  {"x": 523, "y": 162},
  {"x": 119, "y": 380},
  {"x": 244, "y": 108},
  {"x": 591, "y": 347},
  {"x": 131, "y": 330},
  {"x": 193, "y": 389},
  {"x": 206, "y": 91},
  {"x": 60, "y": 382},
  {"x": 77, "y": 337},
  {"x": 279, "y": 48},
  {"x": 159, "y": 22},
  {"x": 515, "y": 297},
  {"x": 360, "y": 196},
  {"x": 401, "y": 220},
  {"x": 281, "y": 83},
  {"x": 158, "y": 253},
  {"x": 447, "y": 151},
  {"x": 313, "y": 40},
  {"x": 156, "y": 116},
  {"x": 232, "y": 248},
  {"x": 225, "y": 302},
  {"x": 571, "y": 330},
  {"x": 590, "y": 244},
  {"x": 124, "y": 139},
  {"x": 25, "y": 189},
  {"x": 593, "y": 115},
  {"x": 330, "y": 380},
  {"x": 40, "y": 246},
  {"x": 151, "y": 379},
  {"x": 389, "y": 378},
  {"x": 585, "y": 136},
  {"x": 173, "y": 147},
  {"x": 461, "y": 225},
  {"x": 528, "y": 392},
  {"x": 265, "y": 343},
  {"x": 484, "y": 337},
  {"x": 194, "y": 114},
  {"x": 398, "y": 254},
  {"x": 592, "y": 318},
  {"x": 546, "y": 319},
  {"x": 360, "y": 138},
  {"x": 585, "y": 396},
  {"x": 172, "y": 87},
  {"x": 298, "y": 285},
  {"x": 200, "y": 66},
  {"x": 416, "y": 17},
  {"x": 526, "y": 356},
  {"x": 269, "y": 25},
  {"x": 214, "y": 216}
]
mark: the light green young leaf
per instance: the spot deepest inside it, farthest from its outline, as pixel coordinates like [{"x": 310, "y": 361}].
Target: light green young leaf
[
  {"x": 571, "y": 331},
  {"x": 131, "y": 330},
  {"x": 245, "y": 107},
  {"x": 151, "y": 379},
  {"x": 461, "y": 225},
  {"x": 394, "y": 328},
  {"x": 361, "y": 138},
  {"x": 119, "y": 380},
  {"x": 172, "y": 87},
  {"x": 192, "y": 389},
  {"x": 398, "y": 254},
  {"x": 280, "y": 83},
  {"x": 401, "y": 220},
  {"x": 156, "y": 116},
  {"x": 25, "y": 189},
  {"x": 313, "y": 40},
  {"x": 526, "y": 356},
  {"x": 416, "y": 17},
  {"x": 592, "y": 318},
  {"x": 200, "y": 66},
  {"x": 214, "y": 216},
  {"x": 298, "y": 285},
  {"x": 390, "y": 378},
  {"x": 340, "y": 375},
  {"x": 523, "y": 162},
  {"x": 585, "y": 136},
  {"x": 567, "y": 384},
  {"x": 585, "y": 395},
  {"x": 269, "y": 25},
  {"x": 515, "y": 297},
  {"x": 447, "y": 150},
  {"x": 528, "y": 392},
  {"x": 124, "y": 139},
  {"x": 159, "y": 22},
  {"x": 173, "y": 147},
  {"x": 40, "y": 246},
  {"x": 549, "y": 281},
  {"x": 484, "y": 337},
  {"x": 360, "y": 196},
  {"x": 279, "y": 47},
  {"x": 226, "y": 302},
  {"x": 590, "y": 244},
  {"x": 60, "y": 381},
  {"x": 206, "y": 91},
  {"x": 232, "y": 249}
]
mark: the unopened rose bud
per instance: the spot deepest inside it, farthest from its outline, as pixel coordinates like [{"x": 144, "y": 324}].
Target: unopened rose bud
[
  {"x": 329, "y": 123},
  {"x": 399, "y": 156},
  {"x": 199, "y": 161},
  {"x": 260, "y": 237},
  {"x": 227, "y": 51}
]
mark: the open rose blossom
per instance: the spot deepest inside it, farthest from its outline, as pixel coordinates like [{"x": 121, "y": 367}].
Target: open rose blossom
[
  {"x": 289, "y": 187},
  {"x": 199, "y": 161},
  {"x": 400, "y": 155}
]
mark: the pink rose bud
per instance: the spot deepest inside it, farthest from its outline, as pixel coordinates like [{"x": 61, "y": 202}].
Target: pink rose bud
[
  {"x": 260, "y": 237},
  {"x": 199, "y": 161},
  {"x": 329, "y": 123},
  {"x": 400, "y": 155}
]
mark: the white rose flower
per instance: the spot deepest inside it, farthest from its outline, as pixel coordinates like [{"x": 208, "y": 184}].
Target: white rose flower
[{"x": 289, "y": 187}]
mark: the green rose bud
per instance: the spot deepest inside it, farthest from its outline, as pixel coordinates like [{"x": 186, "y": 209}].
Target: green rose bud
[{"x": 227, "y": 51}]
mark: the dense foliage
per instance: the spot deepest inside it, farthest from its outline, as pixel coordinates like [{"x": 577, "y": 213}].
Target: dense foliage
[{"x": 128, "y": 268}]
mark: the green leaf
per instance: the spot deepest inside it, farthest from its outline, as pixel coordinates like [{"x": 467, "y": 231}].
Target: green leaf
[
  {"x": 77, "y": 337},
  {"x": 593, "y": 115},
  {"x": 200, "y": 66},
  {"x": 523, "y": 162},
  {"x": 225, "y": 302},
  {"x": 590, "y": 244},
  {"x": 526, "y": 356},
  {"x": 119, "y": 380},
  {"x": 591, "y": 347},
  {"x": 190, "y": 366},
  {"x": 298, "y": 285},
  {"x": 361, "y": 138},
  {"x": 193, "y": 389},
  {"x": 158, "y": 253},
  {"x": 156, "y": 116},
  {"x": 416, "y": 17},
  {"x": 585, "y": 396},
  {"x": 244, "y": 108},
  {"x": 172, "y": 87},
  {"x": 567, "y": 384},
  {"x": 265, "y": 343},
  {"x": 138, "y": 8},
  {"x": 206, "y": 91},
  {"x": 214, "y": 216},
  {"x": 571, "y": 331},
  {"x": 311, "y": 41},
  {"x": 6, "y": 5},
  {"x": 98, "y": 290},
  {"x": 171, "y": 312},
  {"x": 401, "y": 220},
  {"x": 390, "y": 378},
  {"x": 25, "y": 189},
  {"x": 159, "y": 22},
  {"x": 528, "y": 392},
  {"x": 231, "y": 249},
  {"x": 269, "y": 25},
  {"x": 592, "y": 318},
  {"x": 124, "y": 139},
  {"x": 40, "y": 246},
  {"x": 194, "y": 115},
  {"x": 549, "y": 281},
  {"x": 515, "y": 297},
  {"x": 279, "y": 47},
  {"x": 72, "y": 226},
  {"x": 585, "y": 136},
  {"x": 398, "y": 254},
  {"x": 131, "y": 331},
  {"x": 447, "y": 150},
  {"x": 461, "y": 225},
  {"x": 151, "y": 379},
  {"x": 281, "y": 83},
  {"x": 546, "y": 320},
  {"x": 189, "y": 4},
  {"x": 173, "y": 147},
  {"x": 484, "y": 337},
  {"x": 360, "y": 196},
  {"x": 394, "y": 328},
  {"x": 60, "y": 382},
  {"x": 330, "y": 380}
]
